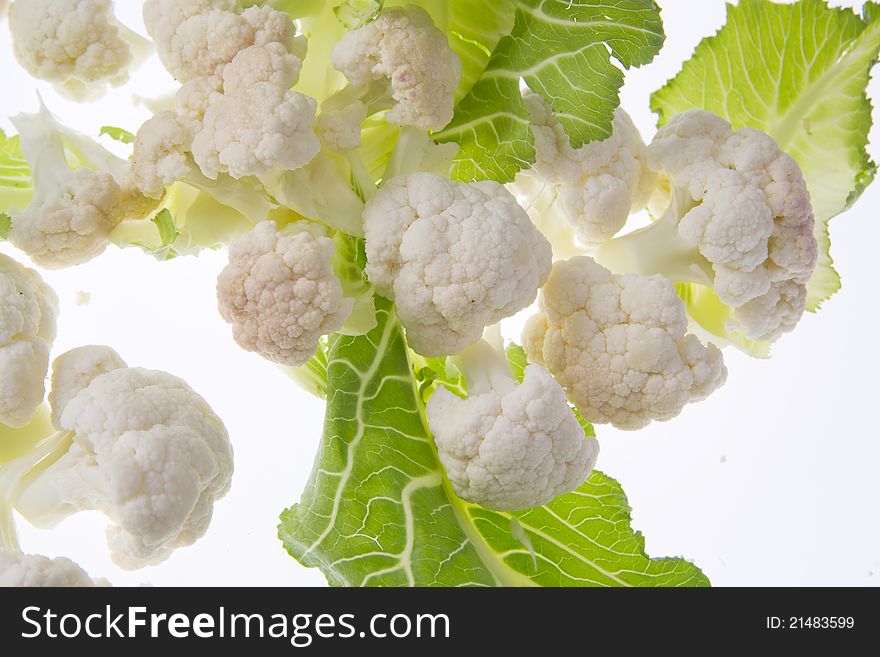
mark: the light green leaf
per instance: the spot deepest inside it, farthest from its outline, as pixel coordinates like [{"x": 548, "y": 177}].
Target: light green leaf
[
  {"x": 16, "y": 188},
  {"x": 118, "y": 134},
  {"x": 562, "y": 50},
  {"x": 357, "y": 13},
  {"x": 798, "y": 72},
  {"x": 378, "y": 510},
  {"x": 5, "y": 226}
]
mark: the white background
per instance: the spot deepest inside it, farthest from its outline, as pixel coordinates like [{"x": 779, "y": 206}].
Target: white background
[{"x": 772, "y": 481}]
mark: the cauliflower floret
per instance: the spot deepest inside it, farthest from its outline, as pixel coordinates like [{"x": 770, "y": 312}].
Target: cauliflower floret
[
  {"x": 197, "y": 38},
  {"x": 738, "y": 219},
  {"x": 513, "y": 447},
  {"x": 28, "y": 313},
  {"x": 257, "y": 124},
  {"x": 76, "y": 44},
  {"x": 73, "y": 371},
  {"x": 141, "y": 447},
  {"x": 34, "y": 570},
  {"x": 619, "y": 345},
  {"x": 72, "y": 226},
  {"x": 160, "y": 151},
  {"x": 455, "y": 257},
  {"x": 280, "y": 293},
  {"x": 404, "y": 47},
  {"x": 595, "y": 187},
  {"x": 191, "y": 100}
]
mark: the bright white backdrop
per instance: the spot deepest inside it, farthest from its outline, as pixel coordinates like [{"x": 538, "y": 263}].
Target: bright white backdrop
[{"x": 772, "y": 481}]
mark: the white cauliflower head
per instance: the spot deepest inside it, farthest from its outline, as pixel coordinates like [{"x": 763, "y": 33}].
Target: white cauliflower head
[
  {"x": 404, "y": 47},
  {"x": 28, "y": 313},
  {"x": 33, "y": 570},
  {"x": 280, "y": 292},
  {"x": 454, "y": 257},
  {"x": 747, "y": 211},
  {"x": 619, "y": 345},
  {"x": 76, "y": 44},
  {"x": 595, "y": 187},
  {"x": 257, "y": 124},
  {"x": 198, "y": 38},
  {"x": 513, "y": 447},
  {"x": 141, "y": 447}
]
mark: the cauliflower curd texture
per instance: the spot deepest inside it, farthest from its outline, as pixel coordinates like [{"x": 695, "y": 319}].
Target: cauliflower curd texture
[
  {"x": 514, "y": 446},
  {"x": 28, "y": 312},
  {"x": 34, "y": 570},
  {"x": 618, "y": 345},
  {"x": 404, "y": 47},
  {"x": 76, "y": 44},
  {"x": 454, "y": 257},
  {"x": 280, "y": 293}
]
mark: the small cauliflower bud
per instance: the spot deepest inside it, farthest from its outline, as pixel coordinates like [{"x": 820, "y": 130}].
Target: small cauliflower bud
[
  {"x": 191, "y": 100},
  {"x": 280, "y": 292},
  {"x": 510, "y": 446},
  {"x": 454, "y": 257},
  {"x": 28, "y": 313},
  {"x": 594, "y": 188},
  {"x": 410, "y": 59},
  {"x": 19, "y": 570},
  {"x": 138, "y": 445},
  {"x": 77, "y": 45},
  {"x": 738, "y": 221},
  {"x": 619, "y": 345},
  {"x": 257, "y": 124},
  {"x": 160, "y": 155}
]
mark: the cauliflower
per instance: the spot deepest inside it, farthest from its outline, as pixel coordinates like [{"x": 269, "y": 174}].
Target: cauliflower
[
  {"x": 738, "y": 219},
  {"x": 160, "y": 153},
  {"x": 34, "y": 570},
  {"x": 455, "y": 257},
  {"x": 28, "y": 310},
  {"x": 280, "y": 293},
  {"x": 198, "y": 38},
  {"x": 73, "y": 211},
  {"x": 138, "y": 445},
  {"x": 257, "y": 124},
  {"x": 509, "y": 445},
  {"x": 619, "y": 345},
  {"x": 405, "y": 56},
  {"x": 75, "y": 44},
  {"x": 592, "y": 189}
]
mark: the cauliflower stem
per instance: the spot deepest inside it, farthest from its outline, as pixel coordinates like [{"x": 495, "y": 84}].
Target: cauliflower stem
[{"x": 658, "y": 249}]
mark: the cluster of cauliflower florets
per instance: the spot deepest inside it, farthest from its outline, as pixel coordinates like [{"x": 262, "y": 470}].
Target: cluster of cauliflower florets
[{"x": 610, "y": 338}]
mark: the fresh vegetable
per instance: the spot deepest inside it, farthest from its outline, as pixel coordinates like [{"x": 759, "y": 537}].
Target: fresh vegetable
[
  {"x": 78, "y": 45},
  {"x": 353, "y": 156}
]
